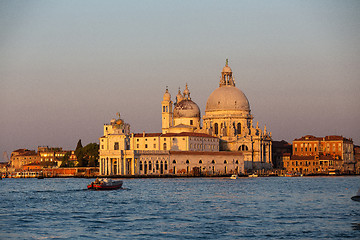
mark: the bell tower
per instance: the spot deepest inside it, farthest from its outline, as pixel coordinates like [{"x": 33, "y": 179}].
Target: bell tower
[{"x": 166, "y": 112}]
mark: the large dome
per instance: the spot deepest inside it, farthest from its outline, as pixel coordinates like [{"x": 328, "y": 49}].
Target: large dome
[
  {"x": 227, "y": 98},
  {"x": 186, "y": 108}
]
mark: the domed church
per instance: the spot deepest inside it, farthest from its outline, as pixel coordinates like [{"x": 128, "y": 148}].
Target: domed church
[
  {"x": 227, "y": 117},
  {"x": 227, "y": 143}
]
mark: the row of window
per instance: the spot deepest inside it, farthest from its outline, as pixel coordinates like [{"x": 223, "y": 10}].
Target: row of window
[
  {"x": 201, "y": 162},
  {"x": 306, "y": 149},
  {"x": 217, "y": 128},
  {"x": 149, "y": 166},
  {"x": 300, "y": 163}
]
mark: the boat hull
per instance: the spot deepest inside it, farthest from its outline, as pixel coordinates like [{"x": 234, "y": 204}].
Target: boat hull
[
  {"x": 356, "y": 198},
  {"x": 102, "y": 186}
]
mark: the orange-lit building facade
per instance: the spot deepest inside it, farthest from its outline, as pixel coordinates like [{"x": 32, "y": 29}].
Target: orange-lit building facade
[
  {"x": 328, "y": 154},
  {"x": 22, "y": 157}
]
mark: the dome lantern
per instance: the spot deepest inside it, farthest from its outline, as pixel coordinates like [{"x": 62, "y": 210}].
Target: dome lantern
[{"x": 226, "y": 76}]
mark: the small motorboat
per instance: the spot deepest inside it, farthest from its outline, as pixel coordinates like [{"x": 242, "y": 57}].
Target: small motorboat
[
  {"x": 356, "y": 197},
  {"x": 234, "y": 176},
  {"x": 105, "y": 184},
  {"x": 253, "y": 175}
]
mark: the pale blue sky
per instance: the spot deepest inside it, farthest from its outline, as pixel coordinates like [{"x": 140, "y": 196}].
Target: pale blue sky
[{"x": 66, "y": 67}]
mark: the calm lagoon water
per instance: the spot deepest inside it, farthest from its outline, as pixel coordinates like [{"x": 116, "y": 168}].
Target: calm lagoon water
[{"x": 183, "y": 208}]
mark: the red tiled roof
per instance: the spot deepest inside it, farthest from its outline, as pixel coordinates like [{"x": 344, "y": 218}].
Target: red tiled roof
[
  {"x": 308, "y": 138},
  {"x": 336, "y": 138},
  {"x": 183, "y": 134},
  {"x": 147, "y": 134},
  {"x": 225, "y": 153},
  {"x": 295, "y": 157},
  {"x": 327, "y": 138},
  {"x": 187, "y": 134}
]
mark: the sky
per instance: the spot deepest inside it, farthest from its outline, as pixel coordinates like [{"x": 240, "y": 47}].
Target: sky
[{"x": 67, "y": 67}]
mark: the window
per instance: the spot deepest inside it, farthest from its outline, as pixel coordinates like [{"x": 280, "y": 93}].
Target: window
[
  {"x": 216, "y": 127},
  {"x": 157, "y": 165},
  {"x": 163, "y": 108},
  {"x": 150, "y": 166},
  {"x": 187, "y": 162},
  {"x": 137, "y": 145},
  {"x": 154, "y": 145},
  {"x": 239, "y": 128},
  {"x": 191, "y": 122},
  {"x": 225, "y": 162},
  {"x": 146, "y": 146},
  {"x": 141, "y": 166},
  {"x": 116, "y": 146},
  {"x": 213, "y": 161},
  {"x": 200, "y": 162},
  {"x": 174, "y": 161},
  {"x": 164, "y": 146},
  {"x": 243, "y": 148}
]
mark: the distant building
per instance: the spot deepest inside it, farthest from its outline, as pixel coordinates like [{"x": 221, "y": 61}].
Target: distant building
[
  {"x": 51, "y": 154},
  {"x": 325, "y": 154},
  {"x": 73, "y": 159},
  {"x": 22, "y": 157},
  {"x": 227, "y": 143},
  {"x": 281, "y": 150},
  {"x": 357, "y": 159}
]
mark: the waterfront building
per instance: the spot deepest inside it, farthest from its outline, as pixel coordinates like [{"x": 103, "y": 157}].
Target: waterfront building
[
  {"x": 281, "y": 150},
  {"x": 22, "y": 157},
  {"x": 331, "y": 154},
  {"x": 51, "y": 154},
  {"x": 357, "y": 159},
  {"x": 227, "y": 143}
]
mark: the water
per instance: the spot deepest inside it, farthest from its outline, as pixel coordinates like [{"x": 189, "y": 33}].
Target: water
[{"x": 194, "y": 208}]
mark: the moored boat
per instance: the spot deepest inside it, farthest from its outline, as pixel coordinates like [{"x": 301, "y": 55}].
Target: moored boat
[
  {"x": 105, "y": 184},
  {"x": 234, "y": 176},
  {"x": 356, "y": 197},
  {"x": 253, "y": 175}
]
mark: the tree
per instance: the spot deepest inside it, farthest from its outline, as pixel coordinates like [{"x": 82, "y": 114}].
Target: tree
[
  {"x": 65, "y": 160},
  {"x": 91, "y": 154},
  {"x": 79, "y": 153}
]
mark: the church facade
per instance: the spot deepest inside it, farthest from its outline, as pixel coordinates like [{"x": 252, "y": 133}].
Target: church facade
[{"x": 227, "y": 143}]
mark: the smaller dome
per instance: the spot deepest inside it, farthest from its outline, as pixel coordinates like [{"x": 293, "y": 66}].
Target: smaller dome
[
  {"x": 119, "y": 122},
  {"x": 226, "y": 69},
  {"x": 186, "y": 108},
  {"x": 179, "y": 97},
  {"x": 167, "y": 96}
]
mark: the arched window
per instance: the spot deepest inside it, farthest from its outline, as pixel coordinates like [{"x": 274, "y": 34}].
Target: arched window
[
  {"x": 157, "y": 165},
  {"x": 164, "y": 146},
  {"x": 243, "y": 148},
  {"x": 165, "y": 165},
  {"x": 237, "y": 162},
  {"x": 141, "y": 166},
  {"x": 174, "y": 161},
  {"x": 213, "y": 161},
  {"x": 200, "y": 162},
  {"x": 187, "y": 162},
  {"x": 216, "y": 127},
  {"x": 239, "y": 128},
  {"x": 150, "y": 166},
  {"x": 225, "y": 162}
]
